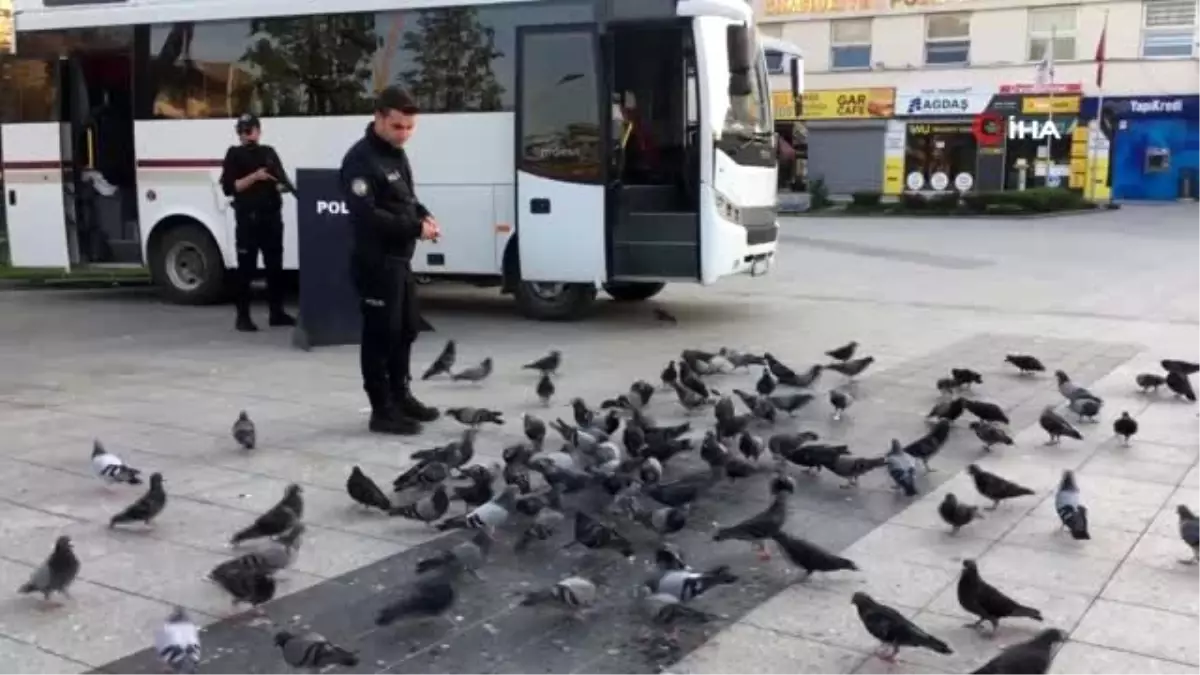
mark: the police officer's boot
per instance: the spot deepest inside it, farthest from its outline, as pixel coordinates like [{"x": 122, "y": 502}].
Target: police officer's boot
[
  {"x": 244, "y": 323},
  {"x": 385, "y": 419},
  {"x": 410, "y": 406},
  {"x": 277, "y": 316}
]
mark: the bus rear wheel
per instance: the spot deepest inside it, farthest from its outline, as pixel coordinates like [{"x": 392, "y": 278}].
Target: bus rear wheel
[
  {"x": 633, "y": 291},
  {"x": 187, "y": 266},
  {"x": 547, "y": 301}
]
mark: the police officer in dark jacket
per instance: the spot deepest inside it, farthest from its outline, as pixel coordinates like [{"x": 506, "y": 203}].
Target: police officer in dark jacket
[
  {"x": 253, "y": 176},
  {"x": 387, "y": 220}
]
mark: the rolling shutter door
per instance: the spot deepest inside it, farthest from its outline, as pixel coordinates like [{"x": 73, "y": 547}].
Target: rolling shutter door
[{"x": 849, "y": 158}]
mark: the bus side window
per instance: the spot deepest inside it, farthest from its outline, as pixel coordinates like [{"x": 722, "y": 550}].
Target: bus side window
[{"x": 692, "y": 107}]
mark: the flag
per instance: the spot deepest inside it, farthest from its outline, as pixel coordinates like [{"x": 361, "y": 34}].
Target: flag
[{"x": 1100, "y": 48}]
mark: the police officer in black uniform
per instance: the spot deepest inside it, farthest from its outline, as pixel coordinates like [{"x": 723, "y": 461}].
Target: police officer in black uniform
[
  {"x": 387, "y": 220},
  {"x": 253, "y": 176}
]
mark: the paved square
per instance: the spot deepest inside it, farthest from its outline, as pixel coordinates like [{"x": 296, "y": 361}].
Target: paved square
[{"x": 1103, "y": 297}]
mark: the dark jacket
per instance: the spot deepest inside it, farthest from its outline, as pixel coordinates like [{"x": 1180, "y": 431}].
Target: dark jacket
[
  {"x": 243, "y": 160},
  {"x": 384, "y": 212}
]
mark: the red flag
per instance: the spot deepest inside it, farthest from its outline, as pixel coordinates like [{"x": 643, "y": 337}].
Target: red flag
[{"x": 1100, "y": 54}]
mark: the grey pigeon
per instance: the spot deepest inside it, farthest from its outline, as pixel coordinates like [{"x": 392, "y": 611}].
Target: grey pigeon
[
  {"x": 545, "y": 524},
  {"x": 475, "y": 374},
  {"x": 1070, "y": 390},
  {"x": 147, "y": 507},
  {"x": 1182, "y": 367},
  {"x": 965, "y": 377},
  {"x": 1149, "y": 382},
  {"x": 467, "y": 556},
  {"x": 840, "y": 401},
  {"x": 313, "y": 652},
  {"x": 424, "y": 599},
  {"x": 980, "y": 598},
  {"x": 253, "y": 587},
  {"x": 892, "y": 629},
  {"x": 843, "y": 353},
  {"x": 595, "y": 535},
  {"x": 686, "y": 585},
  {"x": 534, "y": 429},
  {"x": 278, "y": 519},
  {"x": 444, "y": 361},
  {"x": 957, "y": 514},
  {"x": 925, "y": 447},
  {"x": 177, "y": 643},
  {"x": 851, "y": 369},
  {"x": 902, "y": 469},
  {"x": 545, "y": 389},
  {"x": 364, "y": 491},
  {"x": 111, "y": 469},
  {"x": 852, "y": 468},
  {"x": 1125, "y": 427},
  {"x": 994, "y": 487},
  {"x": 487, "y": 516},
  {"x": 243, "y": 431},
  {"x": 948, "y": 410},
  {"x": 548, "y": 364},
  {"x": 269, "y": 557},
  {"x": 56, "y": 574},
  {"x": 423, "y": 475},
  {"x": 990, "y": 434},
  {"x": 1086, "y": 408},
  {"x": 1032, "y": 656},
  {"x": 790, "y": 403},
  {"x": 1071, "y": 509},
  {"x": 810, "y": 557},
  {"x": 765, "y": 385},
  {"x": 1180, "y": 385},
  {"x": 759, "y": 526},
  {"x": 1056, "y": 426},
  {"x": 573, "y": 593},
  {"x": 985, "y": 410},
  {"x": 664, "y": 609},
  {"x": 1189, "y": 531},
  {"x": 1026, "y": 364},
  {"x": 474, "y": 417}
]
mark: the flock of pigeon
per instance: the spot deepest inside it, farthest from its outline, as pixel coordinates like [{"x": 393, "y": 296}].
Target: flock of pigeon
[{"x": 620, "y": 459}]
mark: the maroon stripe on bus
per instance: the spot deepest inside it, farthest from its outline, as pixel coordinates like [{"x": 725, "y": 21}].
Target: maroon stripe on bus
[
  {"x": 33, "y": 165},
  {"x": 178, "y": 163}
]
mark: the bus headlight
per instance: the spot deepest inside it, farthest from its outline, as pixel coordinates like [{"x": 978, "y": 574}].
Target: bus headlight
[{"x": 727, "y": 210}]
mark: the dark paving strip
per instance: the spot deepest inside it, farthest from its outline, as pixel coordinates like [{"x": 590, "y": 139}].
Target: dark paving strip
[
  {"x": 901, "y": 255},
  {"x": 486, "y": 632}
]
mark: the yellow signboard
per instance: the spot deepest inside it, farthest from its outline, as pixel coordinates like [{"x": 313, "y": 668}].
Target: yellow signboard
[
  {"x": 8, "y": 37},
  {"x": 1046, "y": 105},
  {"x": 848, "y": 104},
  {"x": 783, "y": 105}
]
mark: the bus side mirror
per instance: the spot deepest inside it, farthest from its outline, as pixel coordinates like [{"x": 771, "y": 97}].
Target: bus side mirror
[
  {"x": 738, "y": 47},
  {"x": 740, "y": 85}
]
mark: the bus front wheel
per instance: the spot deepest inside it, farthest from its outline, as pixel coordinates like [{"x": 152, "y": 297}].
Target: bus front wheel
[
  {"x": 546, "y": 301},
  {"x": 632, "y": 291},
  {"x": 187, "y": 266}
]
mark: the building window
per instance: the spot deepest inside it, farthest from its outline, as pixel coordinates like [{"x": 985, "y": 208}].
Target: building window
[
  {"x": 1169, "y": 28},
  {"x": 1057, "y": 23},
  {"x": 850, "y": 44},
  {"x": 947, "y": 39}
]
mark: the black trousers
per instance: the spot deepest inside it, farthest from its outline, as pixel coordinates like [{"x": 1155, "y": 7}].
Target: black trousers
[
  {"x": 259, "y": 232},
  {"x": 391, "y": 322}
]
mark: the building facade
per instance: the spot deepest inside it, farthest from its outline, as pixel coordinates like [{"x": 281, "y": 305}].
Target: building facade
[{"x": 895, "y": 91}]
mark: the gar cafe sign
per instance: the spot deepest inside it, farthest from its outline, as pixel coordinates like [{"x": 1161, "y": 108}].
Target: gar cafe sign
[
  {"x": 848, "y": 103},
  {"x": 942, "y": 102}
]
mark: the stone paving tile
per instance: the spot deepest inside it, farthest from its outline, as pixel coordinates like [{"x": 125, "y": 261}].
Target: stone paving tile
[
  {"x": 1142, "y": 630},
  {"x": 1077, "y": 657},
  {"x": 746, "y": 649}
]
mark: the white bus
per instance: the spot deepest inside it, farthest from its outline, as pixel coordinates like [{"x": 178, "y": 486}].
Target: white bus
[{"x": 565, "y": 145}]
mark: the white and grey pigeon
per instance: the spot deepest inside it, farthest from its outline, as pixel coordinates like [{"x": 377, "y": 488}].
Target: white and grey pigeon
[
  {"x": 244, "y": 432},
  {"x": 312, "y": 651},
  {"x": 487, "y": 516},
  {"x": 1070, "y": 508},
  {"x": 112, "y": 469},
  {"x": 573, "y": 592},
  {"x": 270, "y": 556},
  {"x": 177, "y": 643},
  {"x": 902, "y": 469}
]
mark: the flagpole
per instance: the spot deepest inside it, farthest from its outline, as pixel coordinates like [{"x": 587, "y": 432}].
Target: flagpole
[
  {"x": 1049, "y": 56},
  {"x": 1093, "y": 143}
]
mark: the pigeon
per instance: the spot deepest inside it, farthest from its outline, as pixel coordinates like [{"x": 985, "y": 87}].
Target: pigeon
[
  {"x": 1179, "y": 384},
  {"x": 790, "y": 403},
  {"x": 1026, "y": 364},
  {"x": 663, "y": 609},
  {"x": 741, "y": 359},
  {"x": 1149, "y": 382},
  {"x": 422, "y": 475},
  {"x": 892, "y": 629},
  {"x": 1071, "y": 510},
  {"x": 363, "y": 490},
  {"x": 244, "y": 432},
  {"x": 444, "y": 361},
  {"x": 980, "y": 598},
  {"x": 270, "y": 557},
  {"x": 778, "y": 369},
  {"x": 805, "y": 381},
  {"x": 249, "y": 586},
  {"x": 965, "y": 377},
  {"x": 988, "y": 412},
  {"x": 957, "y": 514},
  {"x": 488, "y": 516},
  {"x": 852, "y": 468},
  {"x": 474, "y": 417},
  {"x": 1086, "y": 408},
  {"x": 765, "y": 385},
  {"x": 544, "y": 525},
  {"x": 545, "y": 389},
  {"x": 312, "y": 651},
  {"x": 479, "y": 490},
  {"x": 147, "y": 507},
  {"x": 668, "y": 557},
  {"x": 843, "y": 353},
  {"x": 994, "y": 487},
  {"x": 990, "y": 434},
  {"x": 669, "y": 375},
  {"x": 852, "y": 369},
  {"x": 1184, "y": 368},
  {"x": 925, "y": 447},
  {"x": 425, "y": 598},
  {"x": 573, "y": 593},
  {"x": 808, "y": 556},
  {"x": 750, "y": 446},
  {"x": 1069, "y": 389},
  {"x": 759, "y": 526},
  {"x": 690, "y": 399},
  {"x": 111, "y": 469},
  {"x": 453, "y": 455},
  {"x": 902, "y": 469},
  {"x": 665, "y": 316},
  {"x": 56, "y": 574},
  {"x": 277, "y": 520},
  {"x": 685, "y": 585},
  {"x": 840, "y": 400},
  {"x": 949, "y": 410},
  {"x": 947, "y": 385},
  {"x": 665, "y": 520},
  {"x": 1031, "y": 656},
  {"x": 177, "y": 643},
  {"x": 467, "y": 556},
  {"x": 547, "y": 365},
  {"x": 474, "y": 374},
  {"x": 1125, "y": 427},
  {"x": 1189, "y": 532},
  {"x": 1056, "y": 426},
  {"x": 595, "y": 535}
]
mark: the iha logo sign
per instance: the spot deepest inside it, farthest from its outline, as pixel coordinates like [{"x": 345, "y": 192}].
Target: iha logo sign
[{"x": 1037, "y": 130}]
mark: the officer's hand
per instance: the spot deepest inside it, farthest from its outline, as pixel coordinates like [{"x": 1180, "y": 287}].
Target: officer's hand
[
  {"x": 263, "y": 174},
  {"x": 429, "y": 230}
]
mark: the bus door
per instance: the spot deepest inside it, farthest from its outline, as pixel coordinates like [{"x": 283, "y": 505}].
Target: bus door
[
  {"x": 33, "y": 173},
  {"x": 561, "y": 165}
]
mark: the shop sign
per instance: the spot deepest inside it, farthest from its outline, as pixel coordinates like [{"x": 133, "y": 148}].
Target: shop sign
[
  {"x": 1042, "y": 89},
  {"x": 776, "y": 7},
  {"x": 1050, "y": 105},
  {"x": 844, "y": 104},
  {"x": 942, "y": 102},
  {"x": 783, "y": 105}
]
